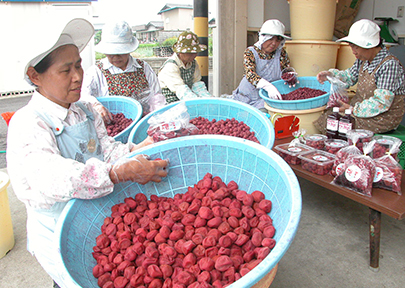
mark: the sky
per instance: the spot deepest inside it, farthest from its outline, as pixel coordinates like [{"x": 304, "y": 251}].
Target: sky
[{"x": 136, "y": 12}]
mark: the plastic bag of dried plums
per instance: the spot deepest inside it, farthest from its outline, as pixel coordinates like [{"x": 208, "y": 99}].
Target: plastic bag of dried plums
[
  {"x": 358, "y": 172},
  {"x": 388, "y": 171},
  {"x": 172, "y": 123},
  {"x": 344, "y": 153},
  {"x": 383, "y": 145}
]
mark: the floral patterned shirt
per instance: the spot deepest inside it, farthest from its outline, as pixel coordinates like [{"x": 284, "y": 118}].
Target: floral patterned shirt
[
  {"x": 40, "y": 176},
  {"x": 390, "y": 81},
  {"x": 249, "y": 63}
]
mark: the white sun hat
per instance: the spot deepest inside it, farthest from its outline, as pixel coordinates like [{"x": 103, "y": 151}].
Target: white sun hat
[
  {"x": 273, "y": 27},
  {"x": 117, "y": 38},
  {"x": 363, "y": 33},
  {"x": 77, "y": 31}
]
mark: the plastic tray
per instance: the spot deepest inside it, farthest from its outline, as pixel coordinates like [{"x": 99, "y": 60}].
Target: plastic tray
[
  {"x": 290, "y": 154},
  {"x": 131, "y": 108},
  {"x": 310, "y": 82},
  {"x": 316, "y": 141},
  {"x": 317, "y": 161},
  {"x": 252, "y": 166},
  {"x": 383, "y": 145},
  {"x": 364, "y": 137},
  {"x": 334, "y": 145},
  {"x": 219, "y": 109}
]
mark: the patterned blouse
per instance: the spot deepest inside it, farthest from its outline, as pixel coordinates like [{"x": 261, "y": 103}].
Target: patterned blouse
[
  {"x": 39, "y": 174},
  {"x": 249, "y": 63}
]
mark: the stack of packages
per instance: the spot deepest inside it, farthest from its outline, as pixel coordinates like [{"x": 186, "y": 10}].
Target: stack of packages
[
  {"x": 359, "y": 164},
  {"x": 366, "y": 164}
]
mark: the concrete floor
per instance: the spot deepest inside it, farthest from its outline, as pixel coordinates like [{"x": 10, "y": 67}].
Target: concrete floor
[{"x": 329, "y": 250}]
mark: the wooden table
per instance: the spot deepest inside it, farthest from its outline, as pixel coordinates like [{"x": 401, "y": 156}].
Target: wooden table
[{"x": 381, "y": 201}]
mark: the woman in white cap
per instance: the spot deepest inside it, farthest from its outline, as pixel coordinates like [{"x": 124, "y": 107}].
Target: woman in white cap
[
  {"x": 263, "y": 63},
  {"x": 58, "y": 148},
  {"x": 120, "y": 73},
  {"x": 180, "y": 75},
  {"x": 378, "y": 105}
]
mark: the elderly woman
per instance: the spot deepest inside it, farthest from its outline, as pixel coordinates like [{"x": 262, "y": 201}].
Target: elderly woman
[
  {"x": 378, "y": 105},
  {"x": 64, "y": 151},
  {"x": 120, "y": 73},
  {"x": 263, "y": 63},
  {"x": 180, "y": 76}
]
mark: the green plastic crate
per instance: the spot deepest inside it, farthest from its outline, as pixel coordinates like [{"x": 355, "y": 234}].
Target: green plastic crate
[{"x": 400, "y": 134}]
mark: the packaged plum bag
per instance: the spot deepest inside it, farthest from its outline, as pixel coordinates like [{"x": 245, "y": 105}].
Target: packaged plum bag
[
  {"x": 338, "y": 93},
  {"x": 172, "y": 123},
  {"x": 357, "y": 172},
  {"x": 388, "y": 171},
  {"x": 344, "y": 153}
]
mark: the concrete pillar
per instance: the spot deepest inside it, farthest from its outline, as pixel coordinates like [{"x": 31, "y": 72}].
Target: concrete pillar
[
  {"x": 201, "y": 29},
  {"x": 230, "y": 41}
]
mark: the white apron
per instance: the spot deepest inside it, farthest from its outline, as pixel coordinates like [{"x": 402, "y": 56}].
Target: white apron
[
  {"x": 77, "y": 142},
  {"x": 269, "y": 70}
]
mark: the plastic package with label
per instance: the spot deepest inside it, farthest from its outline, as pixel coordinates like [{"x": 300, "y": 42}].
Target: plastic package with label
[
  {"x": 388, "y": 171},
  {"x": 290, "y": 152},
  {"x": 316, "y": 141},
  {"x": 334, "y": 145},
  {"x": 364, "y": 136},
  {"x": 338, "y": 93},
  {"x": 384, "y": 144},
  {"x": 343, "y": 153},
  {"x": 172, "y": 123},
  {"x": 358, "y": 172},
  {"x": 317, "y": 161}
]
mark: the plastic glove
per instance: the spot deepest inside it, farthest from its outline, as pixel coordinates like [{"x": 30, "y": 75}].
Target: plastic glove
[
  {"x": 200, "y": 89},
  {"x": 322, "y": 76},
  {"x": 184, "y": 93},
  {"x": 105, "y": 114},
  {"x": 156, "y": 102},
  {"x": 290, "y": 77},
  {"x": 271, "y": 90},
  {"x": 148, "y": 141},
  {"x": 138, "y": 169}
]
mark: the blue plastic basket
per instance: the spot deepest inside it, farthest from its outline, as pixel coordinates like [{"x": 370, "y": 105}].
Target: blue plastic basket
[
  {"x": 252, "y": 166},
  {"x": 219, "y": 109},
  {"x": 131, "y": 108},
  {"x": 309, "y": 82}
]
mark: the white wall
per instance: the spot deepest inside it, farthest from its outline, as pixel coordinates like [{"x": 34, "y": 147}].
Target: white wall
[
  {"x": 25, "y": 17},
  {"x": 178, "y": 19}
]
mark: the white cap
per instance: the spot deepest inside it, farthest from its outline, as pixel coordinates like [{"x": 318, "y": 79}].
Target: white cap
[
  {"x": 77, "y": 31},
  {"x": 273, "y": 27},
  {"x": 363, "y": 33},
  {"x": 117, "y": 38}
]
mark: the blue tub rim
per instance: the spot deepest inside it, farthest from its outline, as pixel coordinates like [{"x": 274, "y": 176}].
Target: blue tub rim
[{"x": 285, "y": 240}]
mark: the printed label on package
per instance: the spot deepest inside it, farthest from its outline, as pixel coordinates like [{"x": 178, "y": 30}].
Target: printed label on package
[
  {"x": 353, "y": 173},
  {"x": 170, "y": 126},
  {"x": 378, "y": 174}
]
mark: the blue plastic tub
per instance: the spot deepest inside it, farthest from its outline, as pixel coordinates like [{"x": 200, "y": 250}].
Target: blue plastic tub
[
  {"x": 252, "y": 166},
  {"x": 131, "y": 108},
  {"x": 219, "y": 109},
  {"x": 309, "y": 82}
]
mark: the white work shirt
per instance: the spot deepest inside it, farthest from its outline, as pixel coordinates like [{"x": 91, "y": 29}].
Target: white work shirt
[
  {"x": 169, "y": 75},
  {"x": 40, "y": 176},
  {"x": 95, "y": 83}
]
